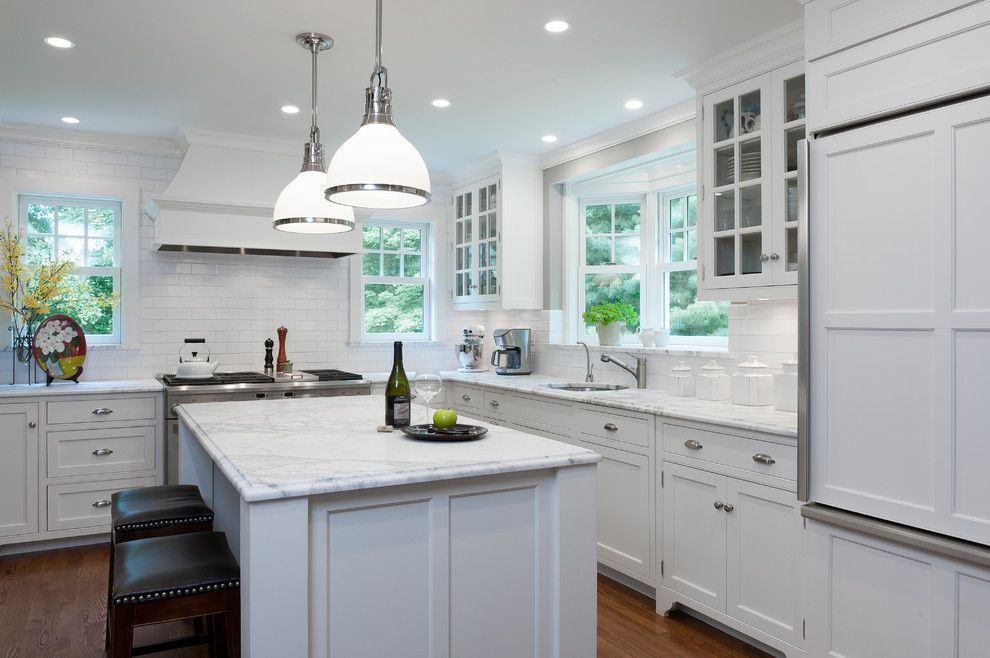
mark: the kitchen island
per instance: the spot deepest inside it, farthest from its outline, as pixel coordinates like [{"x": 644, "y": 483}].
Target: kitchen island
[{"x": 358, "y": 543}]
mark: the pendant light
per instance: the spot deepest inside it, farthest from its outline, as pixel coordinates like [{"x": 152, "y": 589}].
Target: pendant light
[
  {"x": 378, "y": 167},
  {"x": 302, "y": 207}
]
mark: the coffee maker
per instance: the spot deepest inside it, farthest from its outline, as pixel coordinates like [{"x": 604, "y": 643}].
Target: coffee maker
[
  {"x": 471, "y": 352},
  {"x": 512, "y": 356}
]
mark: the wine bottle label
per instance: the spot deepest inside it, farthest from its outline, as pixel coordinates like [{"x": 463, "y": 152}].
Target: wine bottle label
[{"x": 401, "y": 412}]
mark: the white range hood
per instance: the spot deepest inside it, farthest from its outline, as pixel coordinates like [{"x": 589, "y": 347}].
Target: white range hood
[{"x": 222, "y": 199}]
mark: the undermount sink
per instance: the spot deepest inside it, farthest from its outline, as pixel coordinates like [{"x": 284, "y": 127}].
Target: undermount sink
[{"x": 587, "y": 387}]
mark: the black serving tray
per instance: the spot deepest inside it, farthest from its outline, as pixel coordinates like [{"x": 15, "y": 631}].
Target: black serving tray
[{"x": 455, "y": 433}]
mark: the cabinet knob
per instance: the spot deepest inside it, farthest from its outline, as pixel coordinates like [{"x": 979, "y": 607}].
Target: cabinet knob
[
  {"x": 764, "y": 258},
  {"x": 764, "y": 458},
  {"x": 102, "y": 411},
  {"x": 719, "y": 504},
  {"x": 729, "y": 508},
  {"x": 610, "y": 427},
  {"x": 493, "y": 403},
  {"x": 102, "y": 452},
  {"x": 775, "y": 256},
  {"x": 102, "y": 503},
  {"x": 691, "y": 444},
  {"x": 32, "y": 424},
  {"x": 466, "y": 397}
]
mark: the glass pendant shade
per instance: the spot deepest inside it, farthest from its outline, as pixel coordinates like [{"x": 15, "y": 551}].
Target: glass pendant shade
[
  {"x": 301, "y": 207},
  {"x": 378, "y": 168}
]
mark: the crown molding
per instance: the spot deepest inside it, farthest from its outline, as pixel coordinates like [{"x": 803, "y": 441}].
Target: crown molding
[
  {"x": 765, "y": 52},
  {"x": 491, "y": 165},
  {"x": 19, "y": 132},
  {"x": 195, "y": 137},
  {"x": 670, "y": 116}
]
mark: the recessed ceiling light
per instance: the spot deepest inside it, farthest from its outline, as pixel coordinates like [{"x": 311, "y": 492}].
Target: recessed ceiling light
[
  {"x": 634, "y": 104},
  {"x": 70, "y": 120},
  {"x": 549, "y": 139},
  {"x": 440, "y": 102},
  {"x": 58, "y": 42},
  {"x": 557, "y": 26},
  {"x": 290, "y": 109}
]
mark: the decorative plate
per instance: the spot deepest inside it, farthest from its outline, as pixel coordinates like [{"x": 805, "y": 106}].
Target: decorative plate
[
  {"x": 60, "y": 347},
  {"x": 455, "y": 433}
]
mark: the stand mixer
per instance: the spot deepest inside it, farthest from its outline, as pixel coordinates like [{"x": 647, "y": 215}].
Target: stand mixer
[{"x": 470, "y": 352}]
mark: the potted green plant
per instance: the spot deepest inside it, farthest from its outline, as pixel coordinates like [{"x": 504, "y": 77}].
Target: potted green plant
[{"x": 610, "y": 319}]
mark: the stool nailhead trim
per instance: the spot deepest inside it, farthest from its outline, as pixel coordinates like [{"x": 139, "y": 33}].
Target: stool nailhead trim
[
  {"x": 171, "y": 593},
  {"x": 158, "y": 523}
]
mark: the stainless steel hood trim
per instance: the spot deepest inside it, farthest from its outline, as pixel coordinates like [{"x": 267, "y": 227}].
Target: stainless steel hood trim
[
  {"x": 804, "y": 327},
  {"x": 929, "y": 542},
  {"x": 250, "y": 251}
]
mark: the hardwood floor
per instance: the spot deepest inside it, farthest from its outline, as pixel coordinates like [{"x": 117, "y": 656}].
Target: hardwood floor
[{"x": 52, "y": 605}]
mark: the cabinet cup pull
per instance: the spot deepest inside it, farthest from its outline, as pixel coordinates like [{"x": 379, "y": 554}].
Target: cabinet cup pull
[
  {"x": 493, "y": 403},
  {"x": 719, "y": 504},
  {"x": 102, "y": 411},
  {"x": 610, "y": 427},
  {"x": 102, "y": 503},
  {"x": 728, "y": 507},
  {"x": 691, "y": 444},
  {"x": 466, "y": 397},
  {"x": 32, "y": 424},
  {"x": 764, "y": 458},
  {"x": 102, "y": 452}
]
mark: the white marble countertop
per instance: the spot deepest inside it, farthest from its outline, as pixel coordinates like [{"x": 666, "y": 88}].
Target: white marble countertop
[
  {"x": 759, "y": 419},
  {"x": 272, "y": 449},
  {"x": 83, "y": 387}
]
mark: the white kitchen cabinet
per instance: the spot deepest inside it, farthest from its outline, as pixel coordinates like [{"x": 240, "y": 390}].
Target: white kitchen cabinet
[
  {"x": 901, "y": 206},
  {"x": 18, "y": 469},
  {"x": 496, "y": 239},
  {"x": 625, "y": 495}
]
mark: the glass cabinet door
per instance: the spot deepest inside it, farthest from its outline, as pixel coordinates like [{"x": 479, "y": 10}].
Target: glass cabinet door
[
  {"x": 476, "y": 243},
  {"x": 488, "y": 239},
  {"x": 737, "y": 207},
  {"x": 788, "y": 86},
  {"x": 464, "y": 284}
]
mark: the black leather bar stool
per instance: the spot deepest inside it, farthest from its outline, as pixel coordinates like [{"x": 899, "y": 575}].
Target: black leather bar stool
[
  {"x": 165, "y": 579},
  {"x": 145, "y": 512}
]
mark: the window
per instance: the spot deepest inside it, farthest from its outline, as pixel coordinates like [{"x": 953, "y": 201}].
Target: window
[
  {"x": 395, "y": 287},
  {"x": 86, "y": 231},
  {"x": 688, "y": 320},
  {"x": 611, "y": 263}
]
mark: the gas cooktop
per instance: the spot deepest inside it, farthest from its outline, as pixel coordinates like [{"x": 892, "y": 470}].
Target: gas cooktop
[
  {"x": 331, "y": 375},
  {"x": 220, "y": 378}
]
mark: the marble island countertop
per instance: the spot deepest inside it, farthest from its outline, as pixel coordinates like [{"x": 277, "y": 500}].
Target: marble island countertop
[
  {"x": 759, "y": 419},
  {"x": 271, "y": 449},
  {"x": 107, "y": 387}
]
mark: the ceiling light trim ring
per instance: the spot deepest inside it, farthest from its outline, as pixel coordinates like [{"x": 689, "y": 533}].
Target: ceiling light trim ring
[
  {"x": 375, "y": 187},
  {"x": 311, "y": 220}
]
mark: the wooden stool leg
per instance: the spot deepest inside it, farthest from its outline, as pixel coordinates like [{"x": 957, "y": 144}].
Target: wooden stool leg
[
  {"x": 234, "y": 622},
  {"x": 109, "y": 595},
  {"x": 220, "y": 636},
  {"x": 121, "y": 631}
]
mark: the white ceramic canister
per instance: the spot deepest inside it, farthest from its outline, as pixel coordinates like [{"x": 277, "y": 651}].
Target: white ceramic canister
[
  {"x": 661, "y": 337},
  {"x": 753, "y": 384},
  {"x": 713, "y": 382},
  {"x": 681, "y": 381},
  {"x": 646, "y": 337},
  {"x": 785, "y": 387}
]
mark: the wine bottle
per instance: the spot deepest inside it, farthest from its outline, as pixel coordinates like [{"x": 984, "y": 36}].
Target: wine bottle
[{"x": 397, "y": 396}]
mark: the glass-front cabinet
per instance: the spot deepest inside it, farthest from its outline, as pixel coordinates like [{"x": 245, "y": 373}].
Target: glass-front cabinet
[
  {"x": 748, "y": 175},
  {"x": 476, "y": 242}
]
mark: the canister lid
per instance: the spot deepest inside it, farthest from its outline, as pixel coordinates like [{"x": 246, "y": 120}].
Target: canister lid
[
  {"x": 681, "y": 367},
  {"x": 752, "y": 363},
  {"x": 712, "y": 367}
]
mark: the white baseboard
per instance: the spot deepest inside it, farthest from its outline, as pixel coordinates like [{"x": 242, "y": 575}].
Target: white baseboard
[{"x": 54, "y": 544}]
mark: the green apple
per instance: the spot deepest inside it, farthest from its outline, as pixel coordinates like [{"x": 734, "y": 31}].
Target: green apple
[{"x": 444, "y": 418}]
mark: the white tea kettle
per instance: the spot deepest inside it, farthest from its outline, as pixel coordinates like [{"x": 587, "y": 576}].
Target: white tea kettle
[{"x": 193, "y": 363}]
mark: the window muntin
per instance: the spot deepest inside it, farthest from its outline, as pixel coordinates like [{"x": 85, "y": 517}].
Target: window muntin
[
  {"x": 87, "y": 232},
  {"x": 395, "y": 289}
]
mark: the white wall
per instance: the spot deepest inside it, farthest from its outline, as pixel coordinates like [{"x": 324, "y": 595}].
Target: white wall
[{"x": 235, "y": 302}]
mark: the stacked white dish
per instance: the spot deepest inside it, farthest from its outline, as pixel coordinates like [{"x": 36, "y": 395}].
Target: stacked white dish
[{"x": 749, "y": 167}]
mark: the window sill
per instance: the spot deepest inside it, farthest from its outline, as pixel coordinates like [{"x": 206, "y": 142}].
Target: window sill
[{"x": 671, "y": 350}]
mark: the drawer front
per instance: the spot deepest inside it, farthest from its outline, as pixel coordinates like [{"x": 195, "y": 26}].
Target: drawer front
[
  {"x": 87, "y": 504},
  {"x": 95, "y": 410},
  {"x": 764, "y": 457},
  {"x": 614, "y": 427},
  {"x": 543, "y": 415},
  {"x": 464, "y": 397},
  {"x": 99, "y": 451},
  {"x": 921, "y": 64}
]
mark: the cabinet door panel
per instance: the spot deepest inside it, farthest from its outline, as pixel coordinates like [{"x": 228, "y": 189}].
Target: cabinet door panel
[
  {"x": 624, "y": 512},
  {"x": 694, "y": 534},
  {"x": 18, "y": 469},
  {"x": 762, "y": 540}
]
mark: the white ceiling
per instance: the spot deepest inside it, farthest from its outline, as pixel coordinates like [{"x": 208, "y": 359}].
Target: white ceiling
[{"x": 154, "y": 68}]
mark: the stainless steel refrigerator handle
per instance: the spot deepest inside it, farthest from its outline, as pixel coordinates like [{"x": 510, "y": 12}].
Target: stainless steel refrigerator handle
[{"x": 804, "y": 326}]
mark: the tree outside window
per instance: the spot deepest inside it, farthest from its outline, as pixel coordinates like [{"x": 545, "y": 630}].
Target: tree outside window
[
  {"x": 611, "y": 256},
  {"x": 395, "y": 289}
]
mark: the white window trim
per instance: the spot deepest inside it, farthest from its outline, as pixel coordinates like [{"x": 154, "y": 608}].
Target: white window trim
[
  {"x": 427, "y": 279},
  {"x": 129, "y": 197}
]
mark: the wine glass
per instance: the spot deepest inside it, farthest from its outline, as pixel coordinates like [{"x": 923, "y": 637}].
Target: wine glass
[{"x": 428, "y": 385}]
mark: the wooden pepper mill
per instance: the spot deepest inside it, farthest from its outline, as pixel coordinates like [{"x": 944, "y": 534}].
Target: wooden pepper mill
[{"x": 280, "y": 361}]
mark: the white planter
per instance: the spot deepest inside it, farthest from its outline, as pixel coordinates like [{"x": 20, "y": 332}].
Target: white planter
[{"x": 610, "y": 334}]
